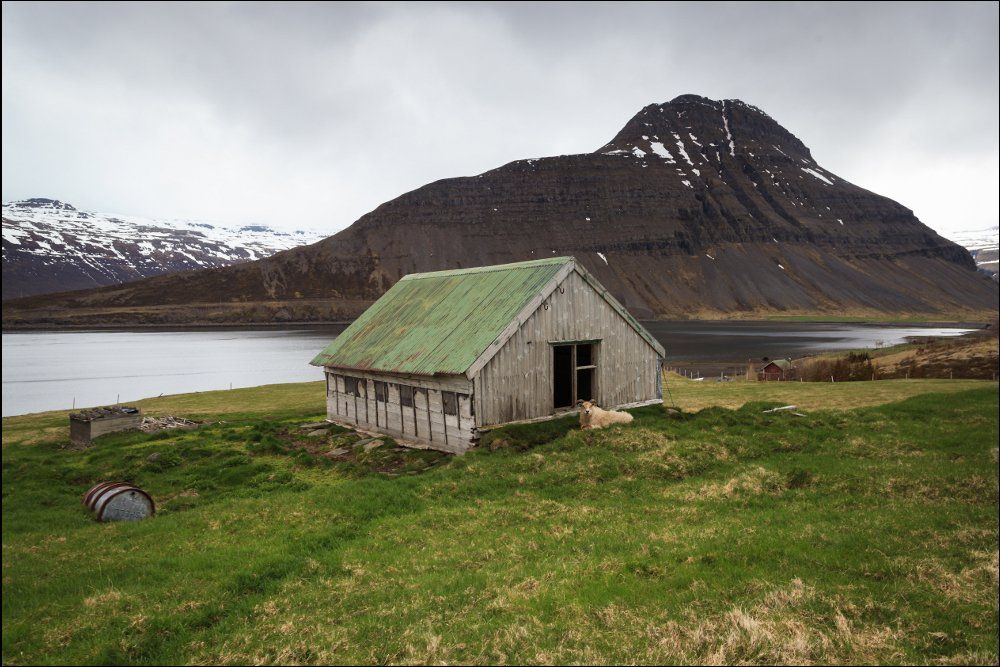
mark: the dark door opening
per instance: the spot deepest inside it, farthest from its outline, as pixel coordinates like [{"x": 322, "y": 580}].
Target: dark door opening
[
  {"x": 562, "y": 376},
  {"x": 573, "y": 374}
]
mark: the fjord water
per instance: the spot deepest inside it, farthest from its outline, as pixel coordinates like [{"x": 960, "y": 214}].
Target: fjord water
[
  {"x": 692, "y": 342},
  {"x": 49, "y": 370}
]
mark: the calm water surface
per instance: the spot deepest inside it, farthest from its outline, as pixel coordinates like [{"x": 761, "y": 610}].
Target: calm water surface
[
  {"x": 737, "y": 342},
  {"x": 49, "y": 370}
]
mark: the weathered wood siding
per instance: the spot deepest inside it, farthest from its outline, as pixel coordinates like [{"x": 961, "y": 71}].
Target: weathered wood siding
[
  {"x": 517, "y": 382},
  {"x": 424, "y": 422}
]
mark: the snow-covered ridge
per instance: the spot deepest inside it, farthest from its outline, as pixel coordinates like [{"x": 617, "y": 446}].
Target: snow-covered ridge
[
  {"x": 56, "y": 221},
  {"x": 976, "y": 239},
  {"x": 43, "y": 237}
]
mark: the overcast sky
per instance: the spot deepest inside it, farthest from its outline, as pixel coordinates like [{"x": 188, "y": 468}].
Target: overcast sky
[{"x": 312, "y": 115}]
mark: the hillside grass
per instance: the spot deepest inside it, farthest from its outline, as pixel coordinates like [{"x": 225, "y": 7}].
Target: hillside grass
[
  {"x": 865, "y": 532},
  {"x": 692, "y": 396}
]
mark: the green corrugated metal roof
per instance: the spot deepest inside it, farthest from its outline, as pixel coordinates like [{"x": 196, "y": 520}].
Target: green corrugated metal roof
[{"x": 439, "y": 322}]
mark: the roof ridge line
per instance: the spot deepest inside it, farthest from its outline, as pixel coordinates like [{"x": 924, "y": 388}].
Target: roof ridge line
[
  {"x": 512, "y": 266},
  {"x": 510, "y": 329}
]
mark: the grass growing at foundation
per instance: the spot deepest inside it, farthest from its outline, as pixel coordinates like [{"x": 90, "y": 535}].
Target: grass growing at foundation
[{"x": 728, "y": 535}]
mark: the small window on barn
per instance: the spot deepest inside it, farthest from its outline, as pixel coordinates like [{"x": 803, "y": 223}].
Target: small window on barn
[
  {"x": 354, "y": 386},
  {"x": 449, "y": 403},
  {"x": 406, "y": 395},
  {"x": 381, "y": 391}
]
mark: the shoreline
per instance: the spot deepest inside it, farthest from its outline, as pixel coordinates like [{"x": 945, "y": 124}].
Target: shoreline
[
  {"x": 193, "y": 325},
  {"x": 951, "y": 324}
]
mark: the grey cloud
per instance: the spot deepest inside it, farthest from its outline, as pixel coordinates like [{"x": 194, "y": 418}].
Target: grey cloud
[{"x": 315, "y": 113}]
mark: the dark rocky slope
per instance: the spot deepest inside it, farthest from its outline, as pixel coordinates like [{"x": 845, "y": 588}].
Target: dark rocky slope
[{"x": 696, "y": 208}]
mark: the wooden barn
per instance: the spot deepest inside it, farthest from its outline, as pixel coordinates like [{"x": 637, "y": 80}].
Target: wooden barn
[
  {"x": 444, "y": 356},
  {"x": 777, "y": 371}
]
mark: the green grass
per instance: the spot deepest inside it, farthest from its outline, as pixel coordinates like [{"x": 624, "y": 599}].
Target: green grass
[
  {"x": 866, "y": 534},
  {"x": 693, "y": 396}
]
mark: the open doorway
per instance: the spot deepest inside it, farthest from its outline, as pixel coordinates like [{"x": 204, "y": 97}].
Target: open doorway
[{"x": 573, "y": 374}]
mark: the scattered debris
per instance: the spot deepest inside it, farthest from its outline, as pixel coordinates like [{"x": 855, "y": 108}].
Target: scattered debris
[
  {"x": 361, "y": 443},
  {"x": 372, "y": 445},
  {"x": 339, "y": 452},
  {"x": 319, "y": 433},
  {"x": 152, "y": 424},
  {"x": 787, "y": 407}
]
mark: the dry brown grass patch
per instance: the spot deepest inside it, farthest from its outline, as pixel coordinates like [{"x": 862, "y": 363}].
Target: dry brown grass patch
[
  {"x": 778, "y": 630},
  {"x": 751, "y": 483},
  {"x": 973, "y": 585},
  {"x": 973, "y": 658},
  {"x": 102, "y": 599}
]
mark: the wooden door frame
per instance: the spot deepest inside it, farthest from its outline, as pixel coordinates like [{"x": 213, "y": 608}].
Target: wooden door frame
[{"x": 594, "y": 378}]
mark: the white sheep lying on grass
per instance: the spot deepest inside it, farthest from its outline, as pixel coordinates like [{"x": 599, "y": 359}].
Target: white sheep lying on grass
[{"x": 591, "y": 416}]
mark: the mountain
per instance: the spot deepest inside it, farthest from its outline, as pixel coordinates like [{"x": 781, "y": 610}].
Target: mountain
[
  {"x": 697, "y": 208},
  {"x": 49, "y": 246},
  {"x": 984, "y": 246}
]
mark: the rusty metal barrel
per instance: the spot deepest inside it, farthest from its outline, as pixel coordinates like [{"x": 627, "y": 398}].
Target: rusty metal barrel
[{"x": 119, "y": 501}]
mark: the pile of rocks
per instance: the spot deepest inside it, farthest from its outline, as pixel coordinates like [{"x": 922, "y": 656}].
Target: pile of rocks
[{"x": 320, "y": 429}]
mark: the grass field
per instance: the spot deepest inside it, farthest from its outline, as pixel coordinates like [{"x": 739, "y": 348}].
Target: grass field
[{"x": 865, "y": 532}]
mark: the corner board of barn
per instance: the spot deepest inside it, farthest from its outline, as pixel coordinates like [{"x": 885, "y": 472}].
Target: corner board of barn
[{"x": 443, "y": 357}]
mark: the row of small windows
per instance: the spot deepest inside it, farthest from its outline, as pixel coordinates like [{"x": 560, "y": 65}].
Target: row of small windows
[{"x": 407, "y": 395}]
